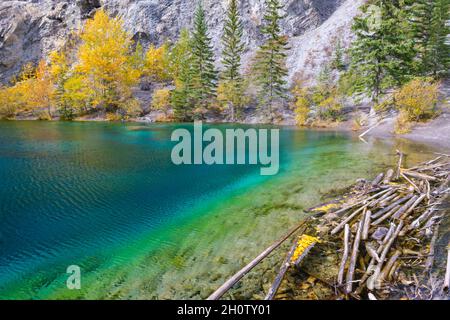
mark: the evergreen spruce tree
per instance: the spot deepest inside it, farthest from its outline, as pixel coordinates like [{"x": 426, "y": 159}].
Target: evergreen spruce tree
[
  {"x": 181, "y": 62},
  {"x": 438, "y": 48},
  {"x": 382, "y": 54},
  {"x": 204, "y": 75},
  {"x": 232, "y": 44},
  {"x": 270, "y": 64},
  {"x": 421, "y": 15},
  {"x": 338, "y": 57},
  {"x": 231, "y": 54},
  {"x": 430, "y": 31}
]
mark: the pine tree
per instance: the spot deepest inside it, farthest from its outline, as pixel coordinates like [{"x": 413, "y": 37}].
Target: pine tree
[
  {"x": 270, "y": 66},
  {"x": 438, "y": 49},
  {"x": 204, "y": 75},
  {"x": 421, "y": 15},
  {"x": 338, "y": 57},
  {"x": 231, "y": 78},
  {"x": 430, "y": 31},
  {"x": 382, "y": 54},
  {"x": 180, "y": 69},
  {"x": 232, "y": 44}
]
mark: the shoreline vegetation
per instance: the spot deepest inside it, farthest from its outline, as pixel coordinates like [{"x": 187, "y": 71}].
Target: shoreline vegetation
[
  {"x": 386, "y": 232},
  {"x": 101, "y": 73}
]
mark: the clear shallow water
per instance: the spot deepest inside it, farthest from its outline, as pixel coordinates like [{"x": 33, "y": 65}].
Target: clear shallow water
[{"x": 106, "y": 197}]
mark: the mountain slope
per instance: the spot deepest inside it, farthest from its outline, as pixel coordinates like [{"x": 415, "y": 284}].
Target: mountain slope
[{"x": 29, "y": 30}]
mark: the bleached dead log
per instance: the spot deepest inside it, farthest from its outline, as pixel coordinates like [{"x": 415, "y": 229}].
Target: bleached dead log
[
  {"x": 399, "y": 165},
  {"x": 392, "y": 198},
  {"x": 279, "y": 278},
  {"x": 425, "y": 164},
  {"x": 388, "y": 177},
  {"x": 442, "y": 154},
  {"x": 372, "y": 252},
  {"x": 387, "y": 237},
  {"x": 361, "y": 202},
  {"x": 405, "y": 207},
  {"x": 387, "y": 269},
  {"x": 348, "y": 219},
  {"x": 371, "y": 296},
  {"x": 237, "y": 276},
  {"x": 419, "y": 175},
  {"x": 366, "y": 225},
  {"x": 353, "y": 258},
  {"x": 391, "y": 206},
  {"x": 385, "y": 197},
  {"x": 386, "y": 248},
  {"x": 430, "y": 260},
  {"x": 413, "y": 206},
  {"x": 423, "y": 217},
  {"x": 410, "y": 182},
  {"x": 378, "y": 179},
  {"x": 340, "y": 279},
  {"x": 387, "y": 215}
]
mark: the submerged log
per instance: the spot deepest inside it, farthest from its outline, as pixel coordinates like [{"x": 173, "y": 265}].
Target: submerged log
[
  {"x": 237, "y": 276},
  {"x": 279, "y": 278}
]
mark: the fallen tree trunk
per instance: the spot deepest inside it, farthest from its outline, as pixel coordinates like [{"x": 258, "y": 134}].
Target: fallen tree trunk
[
  {"x": 340, "y": 279},
  {"x": 237, "y": 276},
  {"x": 279, "y": 278},
  {"x": 353, "y": 258}
]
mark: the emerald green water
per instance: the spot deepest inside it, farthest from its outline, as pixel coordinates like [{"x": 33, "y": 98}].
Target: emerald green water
[{"x": 106, "y": 197}]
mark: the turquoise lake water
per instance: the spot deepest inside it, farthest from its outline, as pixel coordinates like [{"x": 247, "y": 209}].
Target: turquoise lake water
[{"x": 107, "y": 197}]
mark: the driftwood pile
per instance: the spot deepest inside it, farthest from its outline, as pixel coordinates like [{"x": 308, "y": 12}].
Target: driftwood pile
[{"x": 384, "y": 231}]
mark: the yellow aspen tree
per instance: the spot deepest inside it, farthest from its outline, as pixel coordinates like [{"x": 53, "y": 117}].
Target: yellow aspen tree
[
  {"x": 156, "y": 63},
  {"x": 106, "y": 61},
  {"x": 41, "y": 89},
  {"x": 161, "y": 101}
]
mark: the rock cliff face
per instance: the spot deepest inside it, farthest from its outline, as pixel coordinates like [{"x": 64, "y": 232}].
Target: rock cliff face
[{"x": 30, "y": 29}]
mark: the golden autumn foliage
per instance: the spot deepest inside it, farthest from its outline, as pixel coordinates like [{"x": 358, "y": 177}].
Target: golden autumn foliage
[
  {"x": 33, "y": 90},
  {"x": 41, "y": 88},
  {"x": 402, "y": 125},
  {"x": 303, "y": 243},
  {"x": 302, "y": 104},
  {"x": 106, "y": 61},
  {"x": 417, "y": 99},
  {"x": 231, "y": 95},
  {"x": 331, "y": 107},
  {"x": 161, "y": 100},
  {"x": 10, "y": 102},
  {"x": 156, "y": 63},
  {"x": 59, "y": 65},
  {"x": 77, "y": 94}
]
